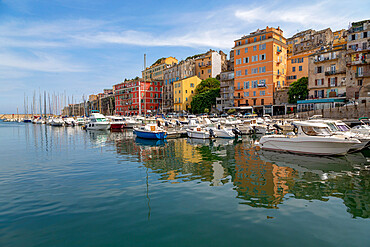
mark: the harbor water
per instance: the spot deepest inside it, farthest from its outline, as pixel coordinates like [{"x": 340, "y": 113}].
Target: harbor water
[{"x": 63, "y": 186}]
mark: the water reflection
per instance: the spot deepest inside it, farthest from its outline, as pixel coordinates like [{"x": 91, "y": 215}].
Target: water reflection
[{"x": 260, "y": 178}]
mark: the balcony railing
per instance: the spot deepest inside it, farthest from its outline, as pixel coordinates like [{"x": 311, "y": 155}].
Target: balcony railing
[
  {"x": 238, "y": 89},
  {"x": 320, "y": 60},
  {"x": 205, "y": 65},
  {"x": 334, "y": 72},
  {"x": 238, "y": 97}
]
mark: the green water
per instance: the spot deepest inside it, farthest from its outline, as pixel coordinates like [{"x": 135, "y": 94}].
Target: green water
[{"x": 68, "y": 187}]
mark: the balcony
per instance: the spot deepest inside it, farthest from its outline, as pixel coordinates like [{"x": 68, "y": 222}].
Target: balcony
[
  {"x": 334, "y": 72},
  {"x": 325, "y": 59},
  {"x": 363, "y": 74},
  {"x": 238, "y": 97},
  {"x": 239, "y": 89},
  {"x": 205, "y": 65}
]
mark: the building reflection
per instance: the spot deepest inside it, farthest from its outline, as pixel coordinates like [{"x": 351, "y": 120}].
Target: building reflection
[{"x": 260, "y": 179}]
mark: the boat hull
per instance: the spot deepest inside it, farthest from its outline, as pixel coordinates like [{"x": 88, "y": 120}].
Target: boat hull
[
  {"x": 305, "y": 146},
  {"x": 150, "y": 135},
  {"x": 198, "y": 134},
  {"x": 116, "y": 125},
  {"x": 98, "y": 126}
]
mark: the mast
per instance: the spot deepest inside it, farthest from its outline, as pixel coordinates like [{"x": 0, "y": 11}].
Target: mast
[
  {"x": 45, "y": 104},
  {"x": 144, "y": 87}
]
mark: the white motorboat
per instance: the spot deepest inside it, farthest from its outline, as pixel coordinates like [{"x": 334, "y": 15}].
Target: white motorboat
[
  {"x": 311, "y": 138},
  {"x": 361, "y": 129},
  {"x": 200, "y": 133},
  {"x": 98, "y": 122},
  {"x": 57, "y": 122},
  {"x": 223, "y": 132},
  {"x": 70, "y": 121},
  {"x": 80, "y": 121}
]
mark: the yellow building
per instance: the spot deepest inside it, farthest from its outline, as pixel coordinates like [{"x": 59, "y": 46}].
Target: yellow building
[
  {"x": 183, "y": 92},
  {"x": 155, "y": 71}
]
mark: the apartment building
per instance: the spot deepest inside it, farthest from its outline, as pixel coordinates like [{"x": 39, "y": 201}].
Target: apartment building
[
  {"x": 210, "y": 64},
  {"x": 327, "y": 73},
  {"x": 172, "y": 74},
  {"x": 135, "y": 97},
  {"x": 183, "y": 92},
  {"x": 226, "y": 99},
  {"x": 260, "y": 67},
  {"x": 358, "y": 61},
  {"x": 155, "y": 71}
]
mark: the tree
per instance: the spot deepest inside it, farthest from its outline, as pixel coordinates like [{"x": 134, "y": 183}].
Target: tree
[
  {"x": 205, "y": 95},
  {"x": 204, "y": 100},
  {"x": 298, "y": 90},
  {"x": 207, "y": 84}
]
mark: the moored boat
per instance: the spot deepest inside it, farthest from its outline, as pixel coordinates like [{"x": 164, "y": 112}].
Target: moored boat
[{"x": 150, "y": 131}]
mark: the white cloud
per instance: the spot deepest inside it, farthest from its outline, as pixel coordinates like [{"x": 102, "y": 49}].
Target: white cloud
[{"x": 41, "y": 62}]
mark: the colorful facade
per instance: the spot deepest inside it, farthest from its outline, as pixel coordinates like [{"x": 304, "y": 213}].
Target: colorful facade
[
  {"x": 183, "y": 92},
  {"x": 136, "y": 97},
  {"x": 358, "y": 61},
  {"x": 155, "y": 71},
  {"x": 210, "y": 64},
  {"x": 260, "y": 67}
]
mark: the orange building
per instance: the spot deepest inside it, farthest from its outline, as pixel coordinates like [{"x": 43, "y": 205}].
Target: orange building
[
  {"x": 260, "y": 67},
  {"x": 297, "y": 66}
]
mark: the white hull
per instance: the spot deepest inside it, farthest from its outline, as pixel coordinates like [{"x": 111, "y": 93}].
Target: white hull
[
  {"x": 306, "y": 145},
  {"x": 198, "y": 134},
  {"x": 98, "y": 126},
  {"x": 221, "y": 133}
]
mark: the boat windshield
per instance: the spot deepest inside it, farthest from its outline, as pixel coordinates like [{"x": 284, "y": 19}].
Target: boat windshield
[
  {"x": 333, "y": 127},
  {"x": 101, "y": 120},
  {"x": 316, "y": 131},
  {"x": 343, "y": 127}
]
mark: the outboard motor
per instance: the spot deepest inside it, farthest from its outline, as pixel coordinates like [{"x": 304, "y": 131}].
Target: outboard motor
[
  {"x": 295, "y": 129},
  {"x": 237, "y": 132},
  {"x": 278, "y": 127},
  {"x": 211, "y": 133}
]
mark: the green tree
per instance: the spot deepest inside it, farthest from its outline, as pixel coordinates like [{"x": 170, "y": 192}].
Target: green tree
[
  {"x": 207, "y": 84},
  {"x": 298, "y": 90},
  {"x": 204, "y": 100}
]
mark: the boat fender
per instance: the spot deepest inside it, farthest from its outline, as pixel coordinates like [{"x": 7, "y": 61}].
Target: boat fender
[{"x": 211, "y": 133}]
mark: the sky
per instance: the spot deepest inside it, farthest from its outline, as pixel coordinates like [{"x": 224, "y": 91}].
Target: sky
[{"x": 80, "y": 47}]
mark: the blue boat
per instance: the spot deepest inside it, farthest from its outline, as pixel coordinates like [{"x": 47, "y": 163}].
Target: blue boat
[{"x": 150, "y": 131}]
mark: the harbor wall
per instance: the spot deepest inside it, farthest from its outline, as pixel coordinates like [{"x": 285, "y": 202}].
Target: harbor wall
[{"x": 344, "y": 112}]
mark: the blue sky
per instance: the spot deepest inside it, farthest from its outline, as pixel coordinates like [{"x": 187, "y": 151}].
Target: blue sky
[{"x": 82, "y": 46}]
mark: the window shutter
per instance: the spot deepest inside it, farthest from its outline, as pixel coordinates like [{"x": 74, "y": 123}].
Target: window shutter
[
  {"x": 316, "y": 82},
  {"x": 315, "y": 70},
  {"x": 329, "y": 82},
  {"x": 336, "y": 81}
]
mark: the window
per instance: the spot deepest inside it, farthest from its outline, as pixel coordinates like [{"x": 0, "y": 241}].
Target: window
[
  {"x": 255, "y": 48},
  {"x": 246, "y": 84},
  {"x": 254, "y": 71},
  {"x": 300, "y": 68},
  {"x": 263, "y": 69},
  {"x": 254, "y": 93},
  {"x": 237, "y": 52},
  {"x": 246, "y": 72},
  {"x": 293, "y": 69},
  {"x": 262, "y": 93},
  {"x": 359, "y": 82},
  {"x": 209, "y": 71},
  {"x": 246, "y": 94},
  {"x": 246, "y": 60},
  {"x": 319, "y": 82},
  {"x": 246, "y": 50},
  {"x": 255, "y": 39},
  {"x": 238, "y": 61},
  {"x": 238, "y": 85},
  {"x": 238, "y": 73},
  {"x": 263, "y": 57},
  {"x": 263, "y": 37},
  {"x": 333, "y": 82},
  {"x": 186, "y": 99},
  {"x": 255, "y": 58},
  {"x": 191, "y": 84},
  {"x": 263, "y": 47},
  {"x": 278, "y": 84},
  {"x": 318, "y": 69},
  {"x": 186, "y": 91},
  {"x": 254, "y": 84}
]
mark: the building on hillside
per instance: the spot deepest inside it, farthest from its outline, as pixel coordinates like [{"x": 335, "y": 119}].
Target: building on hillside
[
  {"x": 226, "y": 100},
  {"x": 172, "y": 74},
  {"x": 210, "y": 64},
  {"x": 183, "y": 92},
  {"x": 304, "y": 44},
  {"x": 260, "y": 68},
  {"x": 136, "y": 97},
  {"x": 358, "y": 61},
  {"x": 93, "y": 97},
  {"x": 327, "y": 73},
  {"x": 155, "y": 71}
]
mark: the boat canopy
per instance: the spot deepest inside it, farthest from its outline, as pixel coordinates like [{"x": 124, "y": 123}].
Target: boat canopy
[{"x": 312, "y": 124}]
